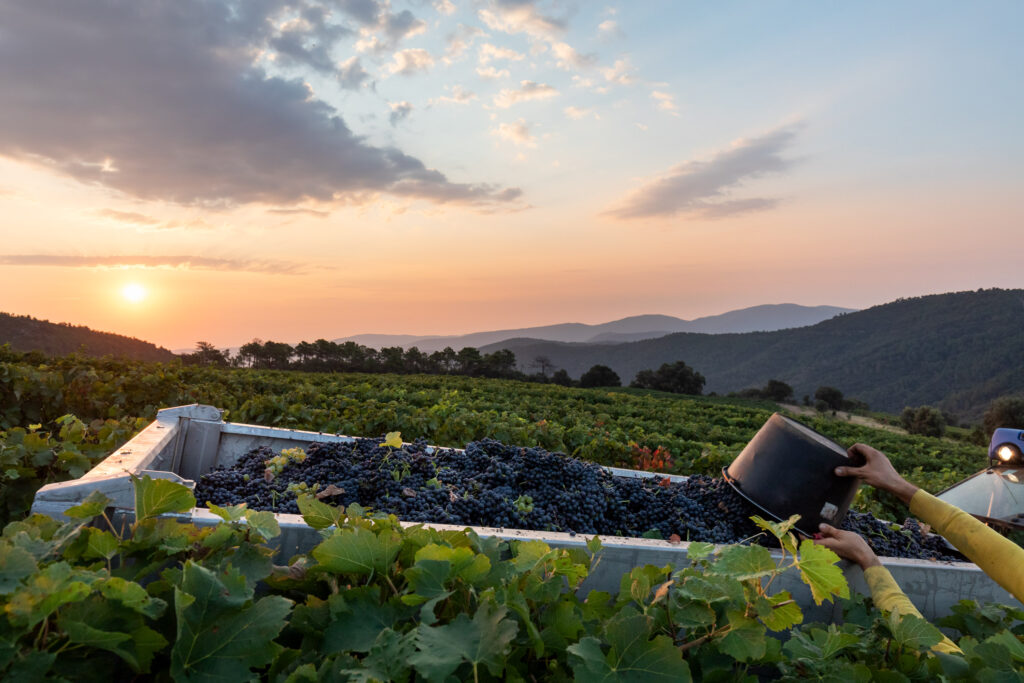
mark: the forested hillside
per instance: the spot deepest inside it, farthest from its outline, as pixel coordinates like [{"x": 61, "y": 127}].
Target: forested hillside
[
  {"x": 957, "y": 351},
  {"x": 25, "y": 333}
]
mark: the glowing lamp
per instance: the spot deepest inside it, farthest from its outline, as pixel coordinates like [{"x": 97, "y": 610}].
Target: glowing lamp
[{"x": 1006, "y": 448}]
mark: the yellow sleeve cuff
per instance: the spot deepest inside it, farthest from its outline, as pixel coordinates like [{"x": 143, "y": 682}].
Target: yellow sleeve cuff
[
  {"x": 889, "y": 597},
  {"x": 997, "y": 556}
]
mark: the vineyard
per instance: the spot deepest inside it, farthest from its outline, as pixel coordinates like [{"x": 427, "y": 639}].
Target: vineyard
[{"x": 376, "y": 600}]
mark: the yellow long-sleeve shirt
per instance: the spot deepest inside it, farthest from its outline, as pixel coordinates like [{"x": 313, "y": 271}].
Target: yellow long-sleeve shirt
[{"x": 999, "y": 557}]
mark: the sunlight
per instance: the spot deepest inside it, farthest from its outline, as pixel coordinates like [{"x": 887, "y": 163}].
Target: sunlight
[{"x": 133, "y": 292}]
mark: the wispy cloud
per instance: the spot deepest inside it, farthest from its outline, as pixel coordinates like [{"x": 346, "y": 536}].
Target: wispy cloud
[
  {"x": 300, "y": 211},
  {"x": 666, "y": 102},
  {"x": 460, "y": 40},
  {"x": 528, "y": 90},
  {"x": 491, "y": 74},
  {"x": 399, "y": 112},
  {"x": 704, "y": 187},
  {"x": 173, "y": 103},
  {"x": 459, "y": 95},
  {"x": 518, "y": 133},
  {"x": 131, "y": 217},
  {"x": 143, "y": 261},
  {"x": 489, "y": 52},
  {"x": 520, "y": 16},
  {"x": 609, "y": 28}
]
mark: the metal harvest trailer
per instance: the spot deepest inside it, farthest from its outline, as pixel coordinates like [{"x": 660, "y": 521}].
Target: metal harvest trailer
[{"x": 185, "y": 442}]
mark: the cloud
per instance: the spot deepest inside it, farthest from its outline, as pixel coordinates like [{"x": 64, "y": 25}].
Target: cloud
[
  {"x": 445, "y": 7},
  {"x": 460, "y": 40},
  {"x": 363, "y": 11},
  {"x": 666, "y": 102},
  {"x": 491, "y": 74},
  {"x": 128, "y": 217},
  {"x": 300, "y": 211},
  {"x": 488, "y": 52},
  {"x": 169, "y": 103},
  {"x": 144, "y": 261},
  {"x": 459, "y": 96},
  {"x": 620, "y": 73},
  {"x": 399, "y": 112},
  {"x": 567, "y": 58},
  {"x": 308, "y": 39},
  {"x": 351, "y": 74},
  {"x": 517, "y": 133},
  {"x": 408, "y": 62},
  {"x": 528, "y": 91},
  {"x": 609, "y": 28},
  {"x": 703, "y": 187},
  {"x": 577, "y": 113},
  {"x": 521, "y": 16}
]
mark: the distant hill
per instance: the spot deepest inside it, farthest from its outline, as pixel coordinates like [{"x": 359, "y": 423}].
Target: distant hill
[
  {"x": 957, "y": 351},
  {"x": 25, "y": 333},
  {"x": 765, "y": 317}
]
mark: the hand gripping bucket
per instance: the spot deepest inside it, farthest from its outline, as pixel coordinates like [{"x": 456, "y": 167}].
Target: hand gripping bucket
[{"x": 788, "y": 468}]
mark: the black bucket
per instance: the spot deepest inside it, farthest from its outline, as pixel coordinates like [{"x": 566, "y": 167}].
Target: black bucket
[{"x": 789, "y": 469}]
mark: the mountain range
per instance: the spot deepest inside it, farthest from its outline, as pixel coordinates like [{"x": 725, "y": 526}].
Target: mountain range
[
  {"x": 957, "y": 351},
  {"x": 25, "y": 333},
  {"x": 756, "y": 318}
]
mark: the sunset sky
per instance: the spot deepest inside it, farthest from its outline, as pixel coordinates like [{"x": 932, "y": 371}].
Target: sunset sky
[{"x": 180, "y": 170}]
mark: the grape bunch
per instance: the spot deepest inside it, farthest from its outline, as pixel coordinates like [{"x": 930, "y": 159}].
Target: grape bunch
[
  {"x": 888, "y": 539},
  {"x": 492, "y": 484}
]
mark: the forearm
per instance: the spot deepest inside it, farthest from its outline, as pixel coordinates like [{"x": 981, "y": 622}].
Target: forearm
[
  {"x": 889, "y": 597},
  {"x": 997, "y": 556}
]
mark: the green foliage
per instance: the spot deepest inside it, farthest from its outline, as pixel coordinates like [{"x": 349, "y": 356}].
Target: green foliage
[
  {"x": 675, "y": 378},
  {"x": 924, "y": 420},
  {"x": 377, "y": 600},
  {"x": 600, "y": 376},
  {"x": 1005, "y": 411}
]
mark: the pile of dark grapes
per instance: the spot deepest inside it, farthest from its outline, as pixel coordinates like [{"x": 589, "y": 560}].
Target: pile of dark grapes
[
  {"x": 892, "y": 540},
  {"x": 495, "y": 485}
]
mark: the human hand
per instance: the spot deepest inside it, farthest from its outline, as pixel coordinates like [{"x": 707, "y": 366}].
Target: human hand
[
  {"x": 877, "y": 471},
  {"x": 847, "y": 545}
]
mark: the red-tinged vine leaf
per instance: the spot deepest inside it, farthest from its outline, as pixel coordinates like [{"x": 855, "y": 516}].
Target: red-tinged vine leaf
[
  {"x": 675, "y": 539},
  {"x": 484, "y": 639},
  {"x": 819, "y": 571},
  {"x": 94, "y": 504},
  {"x": 319, "y": 515},
  {"x": 746, "y": 639},
  {"x": 222, "y": 634},
  {"x": 662, "y": 592},
  {"x": 632, "y": 657},
  {"x": 15, "y": 565},
  {"x": 666, "y": 482},
  {"x": 358, "y": 551},
  {"x": 330, "y": 490},
  {"x": 157, "y": 496},
  {"x": 743, "y": 562},
  {"x": 268, "y": 475}
]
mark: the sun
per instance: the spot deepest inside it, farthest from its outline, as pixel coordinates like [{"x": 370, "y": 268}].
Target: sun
[{"x": 133, "y": 292}]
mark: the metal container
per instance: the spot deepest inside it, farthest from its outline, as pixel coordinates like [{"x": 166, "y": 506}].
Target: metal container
[
  {"x": 789, "y": 469},
  {"x": 185, "y": 442}
]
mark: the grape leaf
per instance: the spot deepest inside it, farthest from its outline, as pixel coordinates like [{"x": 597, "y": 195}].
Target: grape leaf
[
  {"x": 358, "y": 551},
  {"x": 221, "y": 634},
  {"x": 745, "y": 640},
  {"x": 819, "y": 571},
  {"x": 631, "y": 656},
  {"x": 393, "y": 440},
  {"x": 387, "y": 660},
  {"x": 229, "y": 513},
  {"x": 779, "y": 612},
  {"x": 45, "y": 592},
  {"x": 94, "y": 504},
  {"x": 484, "y": 639},
  {"x": 913, "y": 632},
  {"x": 156, "y": 496},
  {"x": 319, "y": 515},
  {"x": 263, "y": 522},
  {"x": 743, "y": 562},
  {"x": 15, "y": 564},
  {"x": 698, "y": 550},
  {"x": 101, "y": 544},
  {"x": 356, "y": 629},
  {"x": 133, "y": 596}
]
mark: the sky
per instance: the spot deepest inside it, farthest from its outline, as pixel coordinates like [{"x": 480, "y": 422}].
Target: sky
[{"x": 223, "y": 170}]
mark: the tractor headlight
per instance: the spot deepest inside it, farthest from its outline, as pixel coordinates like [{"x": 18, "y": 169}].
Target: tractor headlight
[{"x": 1006, "y": 447}]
